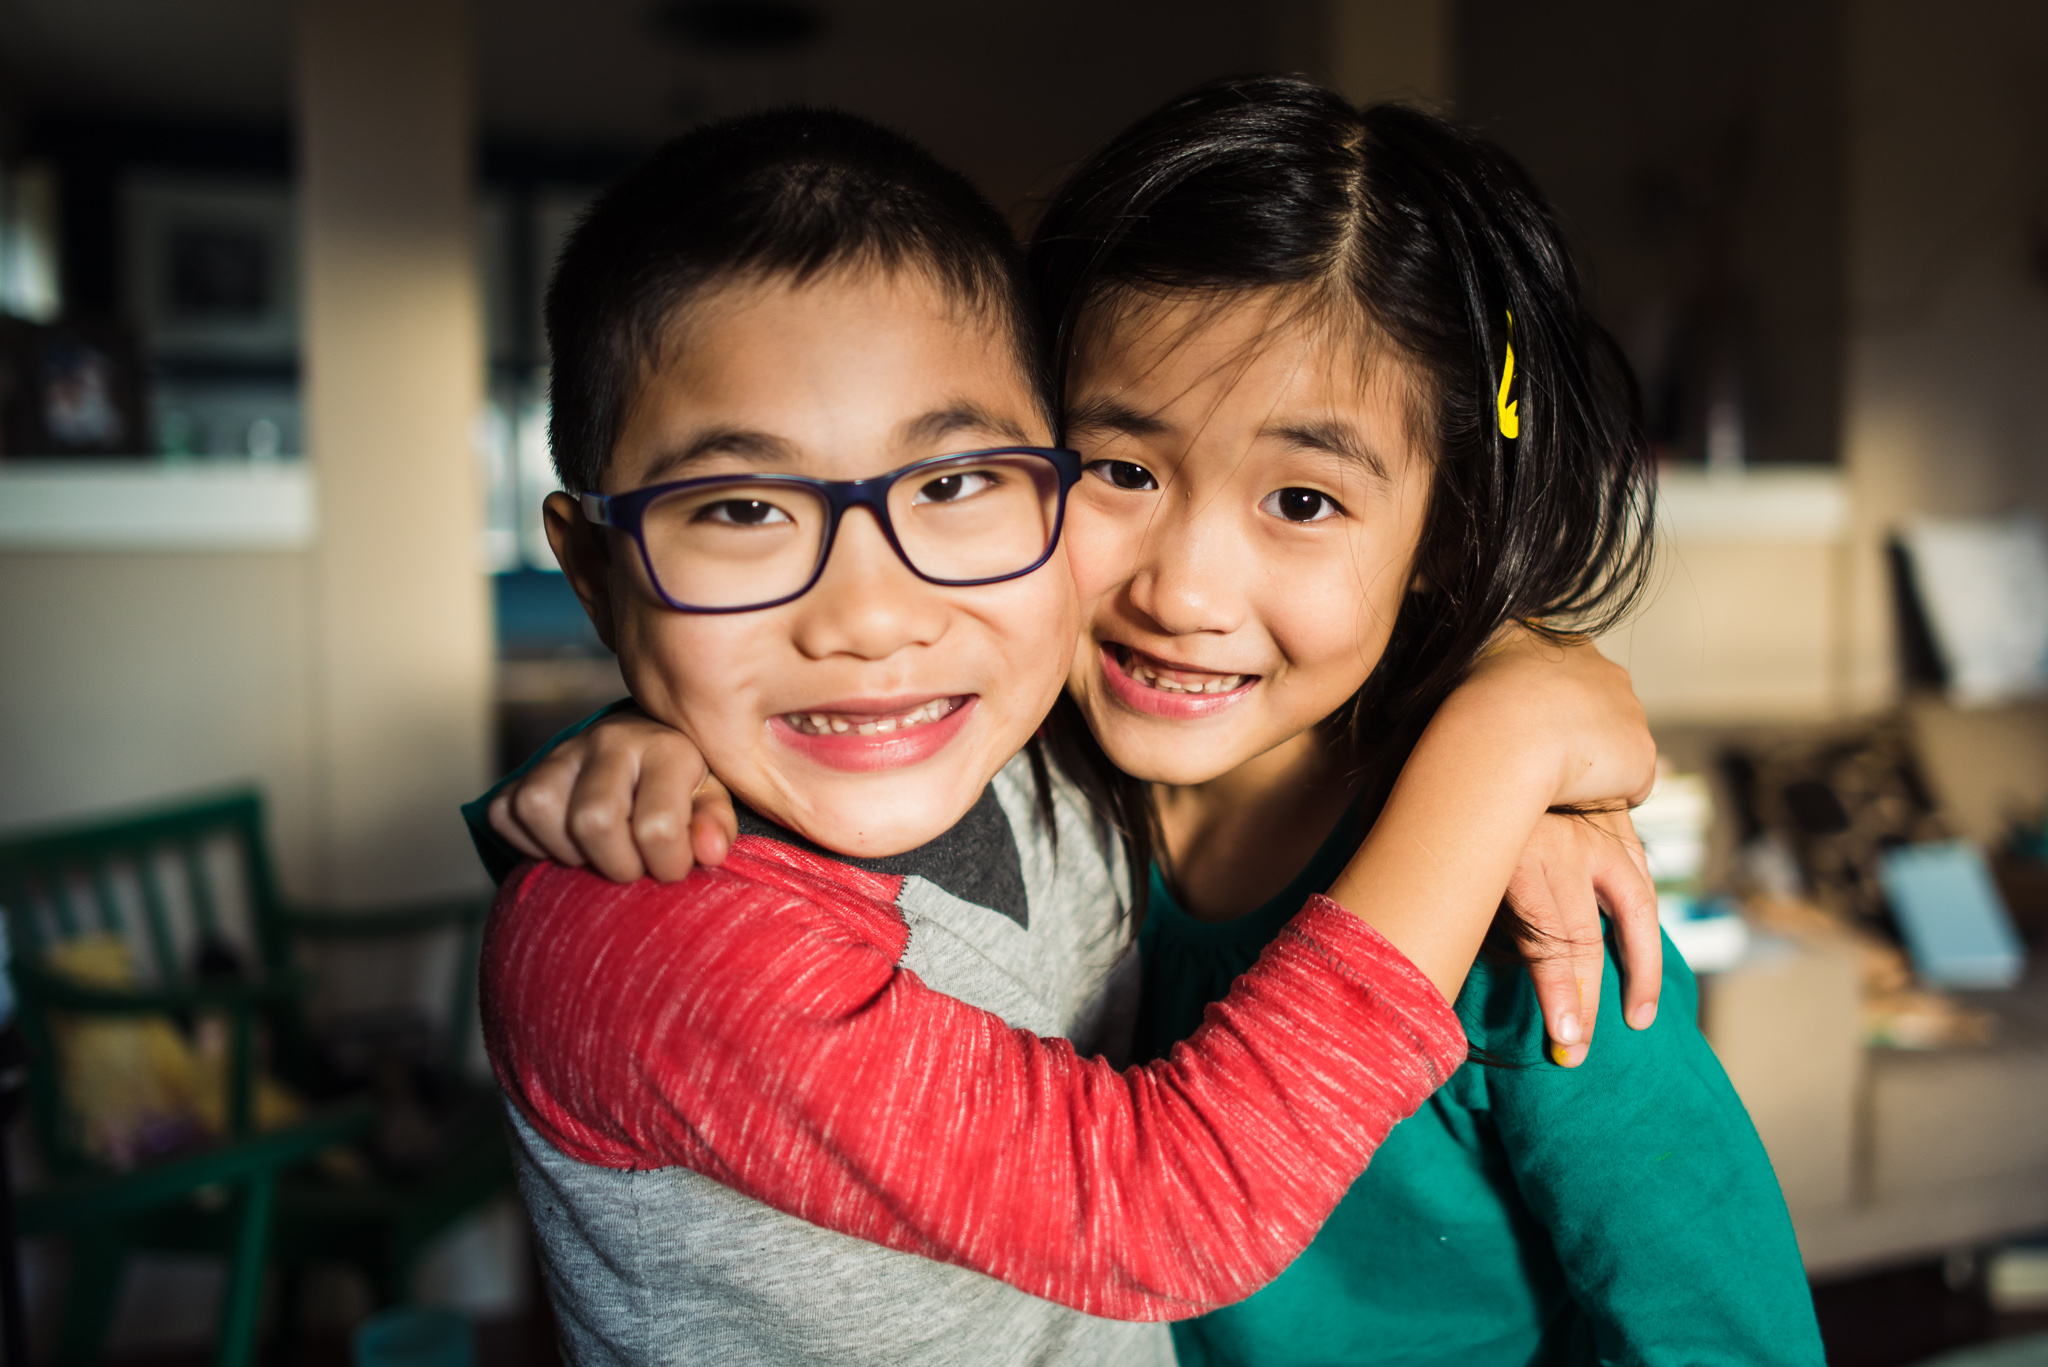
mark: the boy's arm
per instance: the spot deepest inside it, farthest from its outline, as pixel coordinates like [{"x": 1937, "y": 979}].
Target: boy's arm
[
  {"x": 767, "y": 1039},
  {"x": 1657, "y": 1194},
  {"x": 625, "y": 797},
  {"x": 753, "y": 1026}
]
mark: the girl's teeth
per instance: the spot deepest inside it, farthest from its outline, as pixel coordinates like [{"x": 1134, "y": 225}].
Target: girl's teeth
[{"x": 1221, "y": 683}]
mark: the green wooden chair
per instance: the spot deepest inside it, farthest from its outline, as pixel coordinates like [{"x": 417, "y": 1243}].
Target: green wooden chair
[{"x": 190, "y": 891}]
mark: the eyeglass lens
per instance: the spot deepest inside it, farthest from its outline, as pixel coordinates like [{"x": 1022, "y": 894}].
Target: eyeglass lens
[{"x": 736, "y": 544}]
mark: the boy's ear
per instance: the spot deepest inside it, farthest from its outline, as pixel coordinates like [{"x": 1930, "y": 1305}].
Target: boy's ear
[{"x": 581, "y": 552}]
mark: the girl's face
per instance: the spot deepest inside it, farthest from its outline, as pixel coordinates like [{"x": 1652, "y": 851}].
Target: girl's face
[{"x": 1245, "y": 532}]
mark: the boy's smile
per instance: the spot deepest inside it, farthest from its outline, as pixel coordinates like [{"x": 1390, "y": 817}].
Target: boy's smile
[{"x": 868, "y": 713}]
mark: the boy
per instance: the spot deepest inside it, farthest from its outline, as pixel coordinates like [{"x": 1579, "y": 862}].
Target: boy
[{"x": 814, "y": 515}]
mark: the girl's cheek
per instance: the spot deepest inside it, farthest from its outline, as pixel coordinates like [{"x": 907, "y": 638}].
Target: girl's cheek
[{"x": 1100, "y": 552}]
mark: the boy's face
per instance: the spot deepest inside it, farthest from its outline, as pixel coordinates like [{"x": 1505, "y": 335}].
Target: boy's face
[{"x": 851, "y": 375}]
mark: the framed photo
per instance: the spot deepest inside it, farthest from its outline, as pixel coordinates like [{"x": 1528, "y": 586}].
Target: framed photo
[
  {"x": 70, "y": 390},
  {"x": 213, "y": 268}
]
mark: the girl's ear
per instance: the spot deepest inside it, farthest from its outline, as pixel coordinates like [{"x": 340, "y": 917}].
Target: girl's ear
[{"x": 1419, "y": 584}]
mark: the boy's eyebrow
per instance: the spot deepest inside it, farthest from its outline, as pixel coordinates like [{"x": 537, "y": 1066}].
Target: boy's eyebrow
[
  {"x": 1332, "y": 437},
  {"x": 961, "y": 416},
  {"x": 1113, "y": 415},
  {"x": 747, "y": 444}
]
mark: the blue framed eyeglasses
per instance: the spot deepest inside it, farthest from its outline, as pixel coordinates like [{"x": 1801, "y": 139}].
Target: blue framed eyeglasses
[{"x": 740, "y": 543}]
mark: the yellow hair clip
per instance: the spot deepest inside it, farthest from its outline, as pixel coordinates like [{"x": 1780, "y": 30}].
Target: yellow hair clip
[{"x": 1510, "y": 418}]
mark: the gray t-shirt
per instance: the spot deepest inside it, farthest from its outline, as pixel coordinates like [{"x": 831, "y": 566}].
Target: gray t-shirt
[{"x": 667, "y": 1266}]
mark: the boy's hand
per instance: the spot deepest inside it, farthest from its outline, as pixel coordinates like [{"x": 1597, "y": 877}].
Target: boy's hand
[
  {"x": 629, "y": 796},
  {"x": 1572, "y": 866}
]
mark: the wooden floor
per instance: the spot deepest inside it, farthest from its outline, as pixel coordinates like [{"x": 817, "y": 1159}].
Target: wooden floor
[
  {"x": 1886, "y": 1319},
  {"x": 1896, "y": 1318}
]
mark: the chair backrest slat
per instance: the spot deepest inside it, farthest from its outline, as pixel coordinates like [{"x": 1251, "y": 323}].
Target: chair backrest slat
[
  {"x": 149, "y": 885},
  {"x": 204, "y": 905},
  {"x": 106, "y": 898},
  {"x": 24, "y": 926},
  {"x": 61, "y": 904}
]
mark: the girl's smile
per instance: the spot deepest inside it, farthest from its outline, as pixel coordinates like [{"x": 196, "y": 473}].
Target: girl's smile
[{"x": 1151, "y": 685}]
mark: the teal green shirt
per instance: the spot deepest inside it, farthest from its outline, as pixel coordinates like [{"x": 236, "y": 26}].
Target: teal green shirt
[{"x": 1619, "y": 1212}]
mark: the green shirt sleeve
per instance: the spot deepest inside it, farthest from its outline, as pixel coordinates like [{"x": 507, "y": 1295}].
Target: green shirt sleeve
[
  {"x": 1656, "y": 1191},
  {"x": 500, "y": 858}
]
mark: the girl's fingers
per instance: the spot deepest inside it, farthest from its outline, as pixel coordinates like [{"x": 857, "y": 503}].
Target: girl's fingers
[
  {"x": 499, "y": 813},
  {"x": 713, "y": 823},
  {"x": 663, "y": 802},
  {"x": 1565, "y": 958},
  {"x": 1624, "y": 885},
  {"x": 600, "y": 816},
  {"x": 539, "y": 804}
]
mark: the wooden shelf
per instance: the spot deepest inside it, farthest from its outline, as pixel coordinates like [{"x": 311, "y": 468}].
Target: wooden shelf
[
  {"x": 1796, "y": 503},
  {"x": 153, "y": 505}
]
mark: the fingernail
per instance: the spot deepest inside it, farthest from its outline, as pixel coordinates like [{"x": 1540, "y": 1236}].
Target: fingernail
[
  {"x": 1644, "y": 1016},
  {"x": 1567, "y": 1029}
]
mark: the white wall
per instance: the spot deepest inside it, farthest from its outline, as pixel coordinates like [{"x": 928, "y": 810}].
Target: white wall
[
  {"x": 352, "y": 681},
  {"x": 1948, "y": 325},
  {"x": 126, "y": 678}
]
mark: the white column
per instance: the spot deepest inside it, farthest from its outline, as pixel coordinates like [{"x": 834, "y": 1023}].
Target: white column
[{"x": 393, "y": 380}]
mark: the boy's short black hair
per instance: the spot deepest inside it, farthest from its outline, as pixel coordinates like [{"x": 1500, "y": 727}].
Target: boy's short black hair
[{"x": 792, "y": 192}]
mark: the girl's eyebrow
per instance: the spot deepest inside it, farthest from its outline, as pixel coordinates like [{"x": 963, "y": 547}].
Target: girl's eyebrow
[
  {"x": 1113, "y": 415},
  {"x": 1331, "y": 437}
]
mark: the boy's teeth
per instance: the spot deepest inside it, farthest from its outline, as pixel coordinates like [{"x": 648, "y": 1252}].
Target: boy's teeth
[
  {"x": 1220, "y": 683},
  {"x": 825, "y": 723}
]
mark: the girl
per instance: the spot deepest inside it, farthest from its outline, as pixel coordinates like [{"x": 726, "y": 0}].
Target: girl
[
  {"x": 1263, "y": 296},
  {"x": 1345, "y": 419}
]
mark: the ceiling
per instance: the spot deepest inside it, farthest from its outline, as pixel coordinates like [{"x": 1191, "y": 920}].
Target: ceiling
[{"x": 1010, "y": 92}]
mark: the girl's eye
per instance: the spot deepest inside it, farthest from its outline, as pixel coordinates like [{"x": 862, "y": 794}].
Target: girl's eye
[
  {"x": 742, "y": 512},
  {"x": 1299, "y": 505},
  {"x": 1123, "y": 474},
  {"x": 954, "y": 487}
]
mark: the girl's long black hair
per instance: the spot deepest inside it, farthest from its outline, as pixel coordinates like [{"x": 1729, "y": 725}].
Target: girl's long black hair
[{"x": 1421, "y": 235}]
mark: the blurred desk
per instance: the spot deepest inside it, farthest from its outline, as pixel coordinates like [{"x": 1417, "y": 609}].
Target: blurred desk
[{"x": 1886, "y": 1155}]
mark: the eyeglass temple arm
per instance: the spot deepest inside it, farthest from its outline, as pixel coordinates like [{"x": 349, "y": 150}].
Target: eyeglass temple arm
[{"x": 596, "y": 509}]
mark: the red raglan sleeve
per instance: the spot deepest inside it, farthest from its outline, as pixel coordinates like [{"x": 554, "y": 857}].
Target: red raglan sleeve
[{"x": 767, "y": 1039}]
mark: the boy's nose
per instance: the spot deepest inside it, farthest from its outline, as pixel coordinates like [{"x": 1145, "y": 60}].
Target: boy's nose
[{"x": 867, "y": 603}]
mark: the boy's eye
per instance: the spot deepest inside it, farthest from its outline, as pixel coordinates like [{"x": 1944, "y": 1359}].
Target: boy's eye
[
  {"x": 953, "y": 488},
  {"x": 1123, "y": 474},
  {"x": 742, "y": 512},
  {"x": 1299, "y": 505}
]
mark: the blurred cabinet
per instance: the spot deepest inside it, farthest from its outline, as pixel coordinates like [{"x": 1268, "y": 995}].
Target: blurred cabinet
[{"x": 1743, "y": 620}]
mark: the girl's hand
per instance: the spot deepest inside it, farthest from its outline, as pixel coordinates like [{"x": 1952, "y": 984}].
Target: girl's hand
[
  {"x": 1568, "y": 691},
  {"x": 1571, "y": 867},
  {"x": 1538, "y": 725},
  {"x": 629, "y": 796},
  {"x": 1608, "y": 761}
]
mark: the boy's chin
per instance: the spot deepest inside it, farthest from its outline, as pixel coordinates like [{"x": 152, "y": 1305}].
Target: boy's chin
[{"x": 873, "y": 816}]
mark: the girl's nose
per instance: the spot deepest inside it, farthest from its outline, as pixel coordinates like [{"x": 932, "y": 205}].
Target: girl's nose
[
  {"x": 867, "y": 603},
  {"x": 1192, "y": 569}
]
